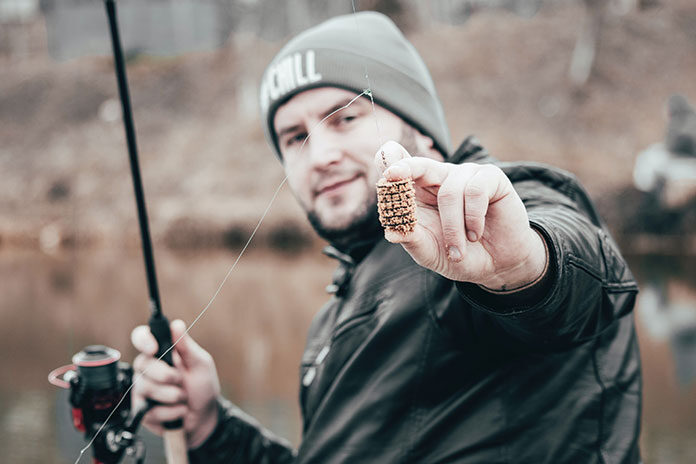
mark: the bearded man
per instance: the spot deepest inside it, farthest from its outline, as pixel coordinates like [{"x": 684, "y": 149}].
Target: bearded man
[{"x": 499, "y": 330}]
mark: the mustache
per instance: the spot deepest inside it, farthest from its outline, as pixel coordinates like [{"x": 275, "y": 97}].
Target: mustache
[{"x": 329, "y": 178}]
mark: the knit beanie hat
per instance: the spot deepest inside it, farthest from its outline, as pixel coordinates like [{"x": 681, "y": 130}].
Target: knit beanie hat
[{"x": 339, "y": 53}]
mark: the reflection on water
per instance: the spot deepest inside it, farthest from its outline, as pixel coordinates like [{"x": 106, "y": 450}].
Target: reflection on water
[
  {"x": 666, "y": 318},
  {"x": 52, "y": 306}
]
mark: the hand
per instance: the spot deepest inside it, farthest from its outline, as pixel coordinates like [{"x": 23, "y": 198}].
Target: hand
[
  {"x": 188, "y": 390},
  {"x": 472, "y": 226}
]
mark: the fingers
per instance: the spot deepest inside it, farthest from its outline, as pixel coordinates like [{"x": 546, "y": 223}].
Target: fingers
[
  {"x": 162, "y": 393},
  {"x": 425, "y": 172},
  {"x": 388, "y": 154},
  {"x": 450, "y": 202},
  {"x": 463, "y": 201},
  {"x": 460, "y": 196},
  {"x": 157, "y": 370},
  {"x": 159, "y": 382},
  {"x": 190, "y": 352},
  {"x": 479, "y": 192},
  {"x": 158, "y": 415},
  {"x": 143, "y": 340},
  {"x": 395, "y": 163}
]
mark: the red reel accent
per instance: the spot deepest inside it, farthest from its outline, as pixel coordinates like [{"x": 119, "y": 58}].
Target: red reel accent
[
  {"x": 55, "y": 377},
  {"x": 78, "y": 419}
]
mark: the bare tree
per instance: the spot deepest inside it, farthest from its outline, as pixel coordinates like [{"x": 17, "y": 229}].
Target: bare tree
[{"x": 587, "y": 42}]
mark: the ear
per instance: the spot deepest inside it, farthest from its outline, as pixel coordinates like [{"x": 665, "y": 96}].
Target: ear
[{"x": 426, "y": 147}]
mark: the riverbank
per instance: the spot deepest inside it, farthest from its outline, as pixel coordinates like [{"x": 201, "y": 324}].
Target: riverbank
[{"x": 209, "y": 175}]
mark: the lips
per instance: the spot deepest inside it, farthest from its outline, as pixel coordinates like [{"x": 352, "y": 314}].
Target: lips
[{"x": 331, "y": 185}]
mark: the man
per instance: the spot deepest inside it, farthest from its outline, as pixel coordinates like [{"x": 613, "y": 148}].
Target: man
[
  {"x": 680, "y": 139},
  {"x": 499, "y": 330}
]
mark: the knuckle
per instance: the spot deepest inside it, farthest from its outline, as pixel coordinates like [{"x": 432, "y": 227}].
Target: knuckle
[
  {"x": 142, "y": 389},
  {"x": 138, "y": 393},
  {"x": 168, "y": 375},
  {"x": 138, "y": 363},
  {"x": 451, "y": 233},
  {"x": 492, "y": 169},
  {"x": 449, "y": 230},
  {"x": 207, "y": 358},
  {"x": 158, "y": 414},
  {"x": 474, "y": 190},
  {"x": 174, "y": 395},
  {"x": 447, "y": 195},
  {"x": 473, "y": 217},
  {"x": 474, "y": 209}
]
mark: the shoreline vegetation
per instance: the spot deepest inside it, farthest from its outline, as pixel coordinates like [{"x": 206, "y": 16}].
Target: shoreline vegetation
[{"x": 209, "y": 175}]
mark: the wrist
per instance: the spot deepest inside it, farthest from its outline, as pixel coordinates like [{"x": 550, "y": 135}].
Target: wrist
[
  {"x": 205, "y": 427},
  {"x": 525, "y": 274}
]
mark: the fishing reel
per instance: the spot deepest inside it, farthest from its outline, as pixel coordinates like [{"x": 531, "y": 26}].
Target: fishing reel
[{"x": 99, "y": 385}]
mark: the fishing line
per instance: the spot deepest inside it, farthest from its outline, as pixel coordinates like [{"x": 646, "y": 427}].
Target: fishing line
[
  {"x": 205, "y": 309},
  {"x": 367, "y": 92},
  {"x": 380, "y": 139},
  {"x": 263, "y": 216},
  {"x": 138, "y": 376}
]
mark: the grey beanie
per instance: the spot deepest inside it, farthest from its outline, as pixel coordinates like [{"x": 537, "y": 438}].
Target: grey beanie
[{"x": 338, "y": 53}]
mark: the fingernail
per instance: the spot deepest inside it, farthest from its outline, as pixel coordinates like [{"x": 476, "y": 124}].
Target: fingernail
[
  {"x": 471, "y": 235},
  {"x": 453, "y": 253}
]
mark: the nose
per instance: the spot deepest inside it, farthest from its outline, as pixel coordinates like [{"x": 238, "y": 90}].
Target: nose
[{"x": 324, "y": 149}]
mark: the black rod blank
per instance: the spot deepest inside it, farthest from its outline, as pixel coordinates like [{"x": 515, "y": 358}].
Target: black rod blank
[
  {"x": 159, "y": 325},
  {"x": 133, "y": 154}
]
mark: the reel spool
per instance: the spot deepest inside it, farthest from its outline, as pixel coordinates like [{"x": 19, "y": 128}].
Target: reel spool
[{"x": 98, "y": 381}]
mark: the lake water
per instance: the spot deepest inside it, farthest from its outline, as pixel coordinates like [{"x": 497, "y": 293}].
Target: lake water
[{"x": 54, "y": 305}]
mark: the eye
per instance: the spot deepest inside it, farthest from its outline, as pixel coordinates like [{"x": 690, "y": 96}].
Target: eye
[
  {"x": 296, "y": 138},
  {"x": 346, "y": 119}
]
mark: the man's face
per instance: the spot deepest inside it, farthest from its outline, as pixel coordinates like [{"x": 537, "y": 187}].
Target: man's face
[{"x": 333, "y": 174}]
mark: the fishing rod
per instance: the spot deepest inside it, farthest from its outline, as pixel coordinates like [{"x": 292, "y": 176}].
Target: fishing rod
[
  {"x": 99, "y": 383},
  {"x": 175, "y": 443}
]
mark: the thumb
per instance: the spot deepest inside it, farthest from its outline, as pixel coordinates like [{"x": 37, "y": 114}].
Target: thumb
[
  {"x": 190, "y": 352},
  {"x": 143, "y": 340}
]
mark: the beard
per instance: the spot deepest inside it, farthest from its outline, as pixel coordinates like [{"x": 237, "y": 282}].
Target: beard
[{"x": 365, "y": 224}]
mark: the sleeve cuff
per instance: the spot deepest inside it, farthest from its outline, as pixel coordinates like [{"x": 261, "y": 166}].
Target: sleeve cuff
[
  {"x": 521, "y": 299},
  {"x": 200, "y": 453}
]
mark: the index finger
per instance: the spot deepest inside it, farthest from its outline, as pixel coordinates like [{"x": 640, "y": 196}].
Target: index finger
[
  {"x": 143, "y": 340},
  {"x": 425, "y": 172},
  {"x": 395, "y": 163},
  {"x": 388, "y": 154}
]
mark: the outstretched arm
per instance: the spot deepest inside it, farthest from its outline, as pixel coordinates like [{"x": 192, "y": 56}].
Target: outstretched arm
[{"x": 538, "y": 259}]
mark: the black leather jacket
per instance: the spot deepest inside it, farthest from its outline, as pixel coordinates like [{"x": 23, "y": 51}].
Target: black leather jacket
[{"x": 403, "y": 365}]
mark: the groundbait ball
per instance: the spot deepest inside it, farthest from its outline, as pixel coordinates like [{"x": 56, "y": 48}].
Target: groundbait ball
[{"x": 396, "y": 203}]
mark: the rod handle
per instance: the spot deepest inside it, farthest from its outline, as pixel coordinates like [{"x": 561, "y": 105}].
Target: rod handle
[{"x": 175, "y": 447}]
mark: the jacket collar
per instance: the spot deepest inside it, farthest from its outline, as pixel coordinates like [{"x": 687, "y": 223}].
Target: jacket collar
[{"x": 470, "y": 150}]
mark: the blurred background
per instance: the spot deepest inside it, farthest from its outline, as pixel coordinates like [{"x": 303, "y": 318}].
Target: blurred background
[{"x": 585, "y": 85}]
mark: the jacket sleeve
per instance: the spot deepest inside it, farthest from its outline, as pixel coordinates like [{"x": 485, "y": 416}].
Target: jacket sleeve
[
  {"x": 238, "y": 438},
  {"x": 588, "y": 285}
]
